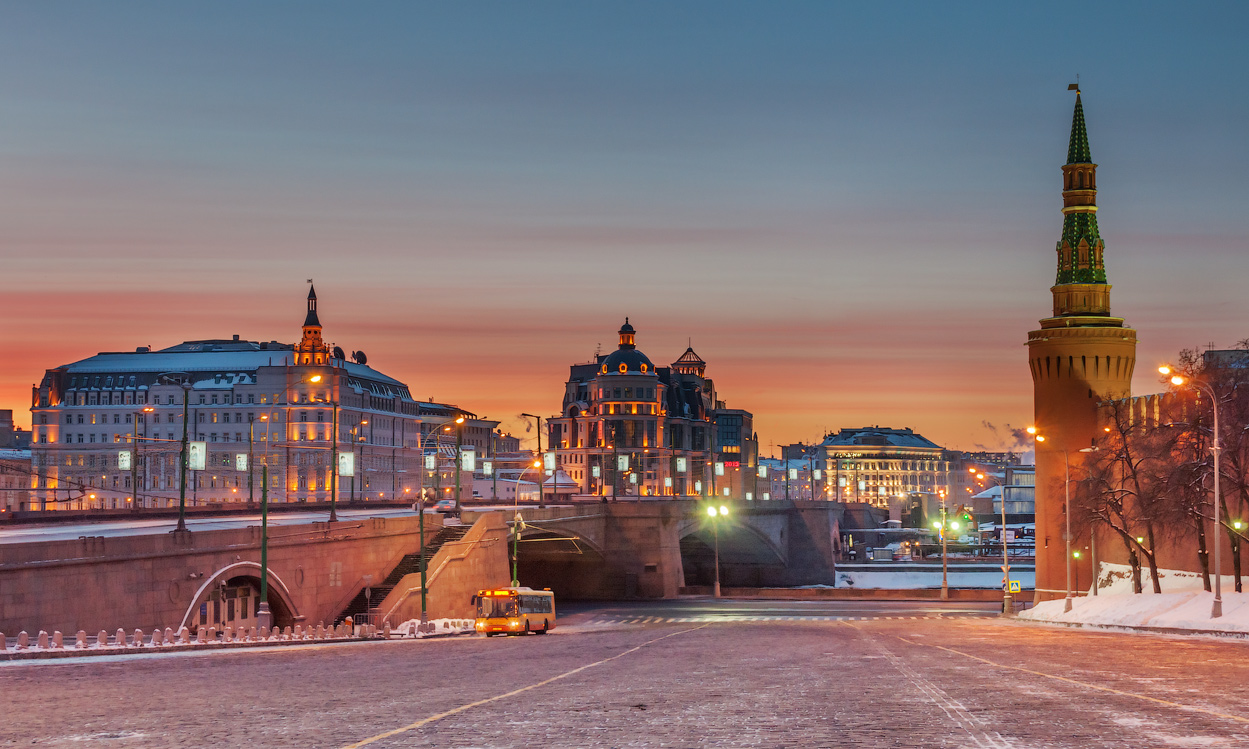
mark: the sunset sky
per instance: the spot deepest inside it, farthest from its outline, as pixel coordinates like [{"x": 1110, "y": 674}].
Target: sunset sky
[{"x": 850, "y": 209}]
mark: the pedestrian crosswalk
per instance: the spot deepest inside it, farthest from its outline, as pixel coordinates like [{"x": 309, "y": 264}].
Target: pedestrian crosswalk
[{"x": 726, "y": 618}]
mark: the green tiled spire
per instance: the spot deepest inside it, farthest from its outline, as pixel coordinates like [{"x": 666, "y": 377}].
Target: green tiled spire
[{"x": 1078, "y": 148}]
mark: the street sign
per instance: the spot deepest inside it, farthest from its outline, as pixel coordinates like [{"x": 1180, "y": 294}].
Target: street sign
[
  {"x": 196, "y": 455},
  {"x": 240, "y": 461},
  {"x": 346, "y": 464},
  {"x": 1014, "y": 586},
  {"x": 1010, "y": 535},
  {"x": 123, "y": 460}
]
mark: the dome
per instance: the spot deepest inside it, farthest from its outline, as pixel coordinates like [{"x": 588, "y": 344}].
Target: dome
[{"x": 626, "y": 361}]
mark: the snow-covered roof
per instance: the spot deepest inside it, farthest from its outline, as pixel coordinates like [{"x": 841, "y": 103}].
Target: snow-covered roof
[{"x": 878, "y": 437}]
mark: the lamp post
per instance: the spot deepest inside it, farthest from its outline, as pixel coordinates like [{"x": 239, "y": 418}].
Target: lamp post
[
  {"x": 542, "y": 471},
  {"x": 945, "y": 582},
  {"x": 1071, "y": 556},
  {"x": 333, "y": 400},
  {"x": 134, "y": 464},
  {"x": 715, "y": 514},
  {"x": 459, "y": 459},
  {"x": 1216, "y": 609},
  {"x": 264, "y": 618},
  {"x": 182, "y": 380}
]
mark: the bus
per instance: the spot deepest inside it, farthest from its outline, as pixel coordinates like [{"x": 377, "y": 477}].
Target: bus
[{"x": 515, "y": 611}]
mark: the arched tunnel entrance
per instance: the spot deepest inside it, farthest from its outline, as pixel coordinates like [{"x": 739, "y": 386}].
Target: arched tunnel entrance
[
  {"x": 573, "y": 569},
  {"x": 746, "y": 558},
  {"x": 232, "y": 597}
]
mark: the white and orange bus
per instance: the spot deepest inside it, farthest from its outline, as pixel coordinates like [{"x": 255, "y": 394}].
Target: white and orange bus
[{"x": 515, "y": 611}]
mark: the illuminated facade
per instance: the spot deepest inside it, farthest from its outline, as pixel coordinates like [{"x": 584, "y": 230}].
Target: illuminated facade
[
  {"x": 1079, "y": 357},
  {"x": 293, "y": 407},
  {"x": 651, "y": 431},
  {"x": 878, "y": 465}
]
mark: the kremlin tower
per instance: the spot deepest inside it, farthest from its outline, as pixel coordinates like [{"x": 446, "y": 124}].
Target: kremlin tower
[{"x": 1080, "y": 357}]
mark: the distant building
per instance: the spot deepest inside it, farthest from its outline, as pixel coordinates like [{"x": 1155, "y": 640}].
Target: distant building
[
  {"x": 629, "y": 427},
  {"x": 875, "y": 464},
  {"x": 11, "y": 435},
  {"x": 15, "y": 480},
  {"x": 292, "y": 406}
]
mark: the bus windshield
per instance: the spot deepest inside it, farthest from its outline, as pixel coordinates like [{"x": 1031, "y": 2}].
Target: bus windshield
[{"x": 496, "y": 607}]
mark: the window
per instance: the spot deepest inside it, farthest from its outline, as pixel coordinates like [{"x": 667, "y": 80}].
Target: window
[
  {"x": 201, "y": 399},
  {"x": 69, "y": 418},
  {"x": 214, "y": 400},
  {"x": 251, "y": 398}
]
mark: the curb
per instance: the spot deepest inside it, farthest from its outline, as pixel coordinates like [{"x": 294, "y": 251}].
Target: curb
[
  {"x": 59, "y": 653},
  {"x": 1227, "y": 634}
]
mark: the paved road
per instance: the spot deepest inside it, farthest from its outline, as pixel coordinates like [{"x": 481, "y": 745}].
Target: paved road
[{"x": 957, "y": 680}]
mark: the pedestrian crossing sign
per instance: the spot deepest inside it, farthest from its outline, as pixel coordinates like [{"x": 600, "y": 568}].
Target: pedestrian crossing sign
[{"x": 1014, "y": 586}]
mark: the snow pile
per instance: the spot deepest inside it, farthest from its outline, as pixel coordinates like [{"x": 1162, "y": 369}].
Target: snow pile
[
  {"x": 440, "y": 627},
  {"x": 1117, "y": 578},
  {"x": 1181, "y": 610},
  {"x": 911, "y": 580}
]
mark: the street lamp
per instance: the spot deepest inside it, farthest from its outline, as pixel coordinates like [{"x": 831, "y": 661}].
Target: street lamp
[
  {"x": 945, "y": 583},
  {"x": 264, "y": 618},
  {"x": 182, "y": 380},
  {"x": 1066, "y": 511},
  {"x": 715, "y": 514},
  {"x": 1216, "y": 609},
  {"x": 542, "y": 473}
]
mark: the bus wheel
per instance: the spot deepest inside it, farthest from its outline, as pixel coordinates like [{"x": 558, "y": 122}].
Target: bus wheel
[
  {"x": 546, "y": 625},
  {"x": 489, "y": 634},
  {"x": 526, "y": 626}
]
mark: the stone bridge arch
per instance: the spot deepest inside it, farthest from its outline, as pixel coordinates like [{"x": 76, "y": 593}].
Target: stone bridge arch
[
  {"x": 753, "y": 549},
  {"x": 281, "y": 604}
]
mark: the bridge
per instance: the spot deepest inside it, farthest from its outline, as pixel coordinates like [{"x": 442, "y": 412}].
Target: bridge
[
  {"x": 316, "y": 569},
  {"x": 654, "y": 549}
]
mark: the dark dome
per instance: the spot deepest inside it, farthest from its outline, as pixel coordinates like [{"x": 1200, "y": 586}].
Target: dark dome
[{"x": 634, "y": 362}]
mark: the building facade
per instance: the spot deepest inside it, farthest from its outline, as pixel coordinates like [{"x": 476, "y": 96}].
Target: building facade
[
  {"x": 1080, "y": 356},
  {"x": 108, "y": 432},
  {"x": 878, "y": 465},
  {"x": 627, "y": 427}
]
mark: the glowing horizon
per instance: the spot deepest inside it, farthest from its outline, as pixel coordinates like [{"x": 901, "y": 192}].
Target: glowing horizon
[{"x": 851, "y": 211}]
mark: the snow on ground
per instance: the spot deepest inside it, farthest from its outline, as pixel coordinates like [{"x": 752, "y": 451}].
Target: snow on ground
[
  {"x": 1183, "y": 610},
  {"x": 441, "y": 627},
  {"x": 1117, "y": 578},
  {"x": 910, "y": 580}
]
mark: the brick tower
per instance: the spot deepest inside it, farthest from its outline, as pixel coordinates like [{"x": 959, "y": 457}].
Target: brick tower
[{"x": 1080, "y": 357}]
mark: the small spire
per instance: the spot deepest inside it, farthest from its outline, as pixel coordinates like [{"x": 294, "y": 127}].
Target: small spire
[
  {"x": 311, "y": 320},
  {"x": 1078, "y": 148}
]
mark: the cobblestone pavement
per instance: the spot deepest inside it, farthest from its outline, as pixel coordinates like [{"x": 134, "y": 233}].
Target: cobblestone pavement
[{"x": 601, "y": 681}]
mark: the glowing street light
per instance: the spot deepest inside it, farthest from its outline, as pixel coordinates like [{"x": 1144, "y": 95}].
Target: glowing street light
[
  {"x": 714, "y": 514},
  {"x": 1216, "y": 609}
]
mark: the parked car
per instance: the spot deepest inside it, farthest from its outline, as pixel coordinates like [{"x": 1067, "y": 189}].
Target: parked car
[{"x": 445, "y": 506}]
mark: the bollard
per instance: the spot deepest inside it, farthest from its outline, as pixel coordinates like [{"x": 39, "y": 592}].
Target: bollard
[
  {"x": 212, "y": 634},
  {"x": 101, "y": 639},
  {"x": 119, "y": 639},
  {"x": 157, "y": 637},
  {"x": 23, "y": 640},
  {"x": 4, "y": 643},
  {"x": 251, "y": 634},
  {"x": 299, "y": 632},
  {"x": 386, "y": 631},
  {"x": 138, "y": 638},
  {"x": 201, "y": 635},
  {"x": 286, "y": 632},
  {"x": 184, "y": 636},
  {"x": 168, "y": 638},
  {"x": 320, "y": 633},
  {"x": 80, "y": 640},
  {"x": 58, "y": 639},
  {"x": 43, "y": 640}
]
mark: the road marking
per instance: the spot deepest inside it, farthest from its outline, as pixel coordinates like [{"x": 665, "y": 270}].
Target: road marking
[
  {"x": 1111, "y": 690},
  {"x": 953, "y": 709},
  {"x": 513, "y": 693}
]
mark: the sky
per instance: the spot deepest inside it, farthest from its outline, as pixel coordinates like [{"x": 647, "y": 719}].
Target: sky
[{"x": 849, "y": 209}]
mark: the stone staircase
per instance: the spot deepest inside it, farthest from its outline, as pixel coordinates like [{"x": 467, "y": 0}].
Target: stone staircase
[{"x": 409, "y": 565}]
